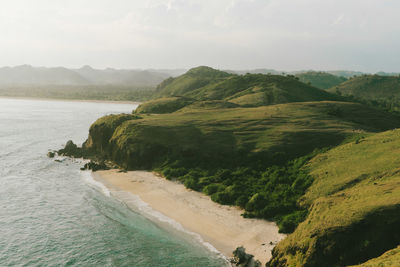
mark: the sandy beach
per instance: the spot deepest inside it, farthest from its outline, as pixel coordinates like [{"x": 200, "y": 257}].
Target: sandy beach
[{"x": 221, "y": 226}]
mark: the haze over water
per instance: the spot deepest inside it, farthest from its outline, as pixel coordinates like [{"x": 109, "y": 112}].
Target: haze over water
[{"x": 50, "y": 215}]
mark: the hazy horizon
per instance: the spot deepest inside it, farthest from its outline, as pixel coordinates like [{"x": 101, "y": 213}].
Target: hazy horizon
[{"x": 227, "y": 34}]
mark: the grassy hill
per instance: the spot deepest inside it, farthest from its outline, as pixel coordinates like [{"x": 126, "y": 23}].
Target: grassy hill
[
  {"x": 390, "y": 258},
  {"x": 164, "y": 105},
  {"x": 250, "y": 90},
  {"x": 382, "y": 91},
  {"x": 250, "y": 157},
  {"x": 345, "y": 73},
  {"x": 354, "y": 207},
  {"x": 321, "y": 80},
  {"x": 193, "y": 79},
  {"x": 371, "y": 87}
]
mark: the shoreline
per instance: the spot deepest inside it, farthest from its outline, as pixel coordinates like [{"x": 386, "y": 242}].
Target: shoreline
[
  {"x": 219, "y": 225},
  {"x": 72, "y": 100}
]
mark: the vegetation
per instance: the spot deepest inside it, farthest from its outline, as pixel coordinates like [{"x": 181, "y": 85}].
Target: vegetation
[
  {"x": 390, "y": 258},
  {"x": 88, "y": 92},
  {"x": 345, "y": 73},
  {"x": 250, "y": 90},
  {"x": 321, "y": 80},
  {"x": 354, "y": 205},
  {"x": 380, "y": 91},
  {"x": 164, "y": 105},
  {"x": 250, "y": 157}
]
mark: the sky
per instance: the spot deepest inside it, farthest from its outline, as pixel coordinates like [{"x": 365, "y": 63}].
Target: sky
[{"x": 286, "y": 35}]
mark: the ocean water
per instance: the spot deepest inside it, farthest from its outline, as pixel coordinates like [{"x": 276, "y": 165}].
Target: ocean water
[{"x": 53, "y": 214}]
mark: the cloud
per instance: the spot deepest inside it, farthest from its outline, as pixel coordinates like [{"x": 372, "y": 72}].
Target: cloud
[
  {"x": 283, "y": 34},
  {"x": 339, "y": 19}
]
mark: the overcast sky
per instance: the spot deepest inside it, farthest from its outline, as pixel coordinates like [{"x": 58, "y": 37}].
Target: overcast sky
[{"x": 237, "y": 34}]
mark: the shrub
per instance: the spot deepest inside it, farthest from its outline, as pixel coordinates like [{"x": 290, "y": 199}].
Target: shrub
[{"x": 213, "y": 188}]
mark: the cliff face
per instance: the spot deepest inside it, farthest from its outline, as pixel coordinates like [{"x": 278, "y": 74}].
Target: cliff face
[{"x": 101, "y": 132}]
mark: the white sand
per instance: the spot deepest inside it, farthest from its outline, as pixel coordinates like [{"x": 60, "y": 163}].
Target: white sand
[{"x": 221, "y": 226}]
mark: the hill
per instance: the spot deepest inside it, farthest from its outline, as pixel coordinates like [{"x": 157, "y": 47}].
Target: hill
[
  {"x": 321, "y": 80},
  {"x": 345, "y": 73},
  {"x": 250, "y": 90},
  {"x": 121, "y": 77},
  {"x": 27, "y": 75},
  {"x": 85, "y": 83},
  {"x": 371, "y": 87},
  {"x": 381, "y": 91},
  {"x": 250, "y": 157},
  {"x": 354, "y": 207},
  {"x": 193, "y": 79}
]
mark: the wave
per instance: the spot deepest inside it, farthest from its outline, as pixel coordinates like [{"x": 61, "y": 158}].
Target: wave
[
  {"x": 88, "y": 178},
  {"x": 135, "y": 203}
]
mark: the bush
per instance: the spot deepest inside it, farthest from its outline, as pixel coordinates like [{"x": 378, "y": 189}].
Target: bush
[
  {"x": 288, "y": 223},
  {"x": 213, "y": 188},
  {"x": 271, "y": 193}
]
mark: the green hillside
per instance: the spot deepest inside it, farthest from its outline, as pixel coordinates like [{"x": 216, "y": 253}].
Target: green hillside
[
  {"x": 371, "y": 87},
  {"x": 251, "y": 90},
  {"x": 388, "y": 259},
  {"x": 250, "y": 157},
  {"x": 193, "y": 79},
  {"x": 380, "y": 91},
  {"x": 164, "y": 105},
  {"x": 354, "y": 207},
  {"x": 321, "y": 80}
]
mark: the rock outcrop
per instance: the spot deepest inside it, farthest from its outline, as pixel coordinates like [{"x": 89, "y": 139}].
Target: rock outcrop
[{"x": 242, "y": 259}]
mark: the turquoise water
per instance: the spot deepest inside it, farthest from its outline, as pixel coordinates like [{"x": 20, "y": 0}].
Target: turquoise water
[{"x": 51, "y": 215}]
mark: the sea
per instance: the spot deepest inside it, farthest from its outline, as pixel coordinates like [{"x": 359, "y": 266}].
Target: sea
[{"x": 54, "y": 214}]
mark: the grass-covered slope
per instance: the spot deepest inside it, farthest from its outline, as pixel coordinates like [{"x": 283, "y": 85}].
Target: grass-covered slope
[
  {"x": 370, "y": 87},
  {"x": 164, "y": 105},
  {"x": 250, "y": 90},
  {"x": 389, "y": 259},
  {"x": 191, "y": 80},
  {"x": 286, "y": 130},
  {"x": 321, "y": 80},
  {"x": 250, "y": 157},
  {"x": 354, "y": 207}
]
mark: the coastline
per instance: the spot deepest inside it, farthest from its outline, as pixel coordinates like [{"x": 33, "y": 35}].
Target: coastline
[
  {"x": 72, "y": 100},
  {"x": 220, "y": 225}
]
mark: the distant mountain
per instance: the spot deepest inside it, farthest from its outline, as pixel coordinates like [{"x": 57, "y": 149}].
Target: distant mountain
[
  {"x": 125, "y": 77},
  {"x": 28, "y": 75},
  {"x": 382, "y": 73},
  {"x": 322, "y": 80},
  {"x": 170, "y": 72},
  {"x": 345, "y": 73},
  {"x": 255, "y": 71},
  {"x": 340, "y": 73},
  {"x": 40, "y": 76}
]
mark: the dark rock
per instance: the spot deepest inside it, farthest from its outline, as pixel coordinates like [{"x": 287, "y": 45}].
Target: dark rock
[
  {"x": 71, "y": 150},
  {"x": 242, "y": 259},
  {"x": 95, "y": 166},
  {"x": 51, "y": 154}
]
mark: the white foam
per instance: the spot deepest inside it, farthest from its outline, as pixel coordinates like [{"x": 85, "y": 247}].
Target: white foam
[
  {"x": 88, "y": 178},
  {"x": 135, "y": 203}
]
